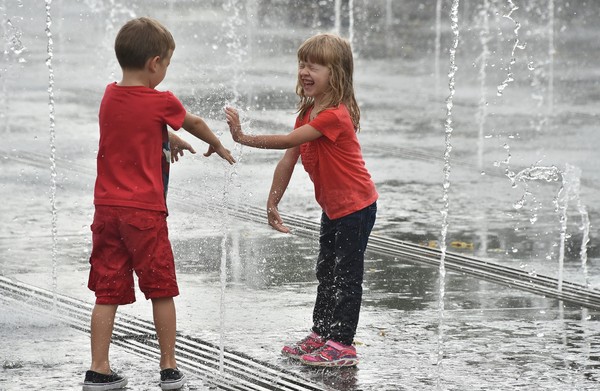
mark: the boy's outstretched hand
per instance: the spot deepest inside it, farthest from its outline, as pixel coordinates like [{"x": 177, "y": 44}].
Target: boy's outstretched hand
[
  {"x": 233, "y": 119},
  {"x": 221, "y": 151},
  {"x": 178, "y": 145}
]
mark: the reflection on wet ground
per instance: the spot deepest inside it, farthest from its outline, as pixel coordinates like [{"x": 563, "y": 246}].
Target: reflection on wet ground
[{"x": 492, "y": 332}]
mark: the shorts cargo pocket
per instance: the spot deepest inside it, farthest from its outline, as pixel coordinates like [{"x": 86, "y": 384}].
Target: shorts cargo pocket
[
  {"x": 97, "y": 228},
  {"x": 142, "y": 223}
]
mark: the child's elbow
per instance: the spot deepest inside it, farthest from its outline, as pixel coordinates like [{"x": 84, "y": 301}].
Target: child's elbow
[{"x": 193, "y": 123}]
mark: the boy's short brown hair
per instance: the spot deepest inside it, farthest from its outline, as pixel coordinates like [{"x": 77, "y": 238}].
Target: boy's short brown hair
[{"x": 141, "y": 39}]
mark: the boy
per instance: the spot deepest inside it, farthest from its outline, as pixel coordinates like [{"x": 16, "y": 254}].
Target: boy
[{"x": 129, "y": 231}]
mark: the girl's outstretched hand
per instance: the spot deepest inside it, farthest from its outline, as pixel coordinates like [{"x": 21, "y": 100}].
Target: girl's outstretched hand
[
  {"x": 233, "y": 120},
  {"x": 275, "y": 220}
]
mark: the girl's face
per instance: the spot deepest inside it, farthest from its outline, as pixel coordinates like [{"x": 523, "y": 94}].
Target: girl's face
[{"x": 314, "y": 79}]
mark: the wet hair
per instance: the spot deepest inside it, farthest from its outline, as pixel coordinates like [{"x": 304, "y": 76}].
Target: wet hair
[
  {"x": 141, "y": 39},
  {"x": 335, "y": 53}
]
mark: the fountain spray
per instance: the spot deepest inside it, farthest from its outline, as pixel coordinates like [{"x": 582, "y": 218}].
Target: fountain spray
[
  {"x": 4, "y": 101},
  {"x": 51, "y": 108},
  {"x": 445, "y": 198},
  {"x": 235, "y": 50},
  {"x": 517, "y": 45},
  {"x": 438, "y": 39}
]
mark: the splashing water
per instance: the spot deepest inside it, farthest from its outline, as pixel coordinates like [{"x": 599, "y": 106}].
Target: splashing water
[
  {"x": 569, "y": 191},
  {"x": 541, "y": 73},
  {"x": 482, "y": 113},
  {"x": 237, "y": 52},
  {"x": 551, "y": 56},
  {"x": 537, "y": 173},
  {"x": 3, "y": 71},
  {"x": 438, "y": 38},
  {"x": 351, "y": 21},
  {"x": 117, "y": 13},
  {"x": 235, "y": 47},
  {"x": 223, "y": 281},
  {"x": 446, "y": 204},
  {"x": 572, "y": 186},
  {"x": 14, "y": 41},
  {"x": 338, "y": 16},
  {"x": 533, "y": 173},
  {"x": 12, "y": 48},
  {"x": 389, "y": 21},
  {"x": 51, "y": 108},
  {"x": 517, "y": 45},
  {"x": 562, "y": 204}
]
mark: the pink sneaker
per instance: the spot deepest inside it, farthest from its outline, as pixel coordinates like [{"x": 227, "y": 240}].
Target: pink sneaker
[
  {"x": 332, "y": 354},
  {"x": 308, "y": 344}
]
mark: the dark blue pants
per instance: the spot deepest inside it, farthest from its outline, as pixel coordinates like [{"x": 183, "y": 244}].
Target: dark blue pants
[{"x": 340, "y": 270}]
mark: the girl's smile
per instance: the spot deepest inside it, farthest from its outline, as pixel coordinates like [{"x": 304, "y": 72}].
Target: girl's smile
[{"x": 314, "y": 78}]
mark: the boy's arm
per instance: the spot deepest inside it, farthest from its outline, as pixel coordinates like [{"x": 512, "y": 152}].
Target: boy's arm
[
  {"x": 196, "y": 126},
  {"x": 178, "y": 145},
  {"x": 281, "y": 179}
]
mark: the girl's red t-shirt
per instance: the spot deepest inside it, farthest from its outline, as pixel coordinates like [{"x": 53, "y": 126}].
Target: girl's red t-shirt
[
  {"x": 133, "y": 155},
  {"x": 335, "y": 164}
]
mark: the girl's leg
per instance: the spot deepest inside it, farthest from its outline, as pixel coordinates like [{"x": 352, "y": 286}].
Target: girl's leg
[
  {"x": 325, "y": 301},
  {"x": 103, "y": 320},
  {"x": 165, "y": 323},
  {"x": 351, "y": 237}
]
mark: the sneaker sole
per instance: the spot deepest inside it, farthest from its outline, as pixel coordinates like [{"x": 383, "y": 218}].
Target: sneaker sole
[
  {"x": 104, "y": 386},
  {"x": 349, "y": 362},
  {"x": 173, "y": 385}
]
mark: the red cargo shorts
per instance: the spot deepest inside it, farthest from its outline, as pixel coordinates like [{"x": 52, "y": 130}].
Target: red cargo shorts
[{"x": 125, "y": 240}]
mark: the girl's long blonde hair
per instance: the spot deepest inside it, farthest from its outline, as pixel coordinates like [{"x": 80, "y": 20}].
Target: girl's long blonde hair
[{"x": 335, "y": 53}]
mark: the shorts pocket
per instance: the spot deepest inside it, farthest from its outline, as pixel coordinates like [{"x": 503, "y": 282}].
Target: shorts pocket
[
  {"x": 142, "y": 223},
  {"x": 97, "y": 227}
]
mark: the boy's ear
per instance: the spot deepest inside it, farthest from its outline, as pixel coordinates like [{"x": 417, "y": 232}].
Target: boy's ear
[{"x": 152, "y": 63}]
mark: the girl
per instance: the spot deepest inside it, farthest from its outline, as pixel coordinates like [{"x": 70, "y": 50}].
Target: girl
[{"x": 325, "y": 137}]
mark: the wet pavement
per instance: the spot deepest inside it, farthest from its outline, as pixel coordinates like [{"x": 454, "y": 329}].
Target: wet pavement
[{"x": 496, "y": 337}]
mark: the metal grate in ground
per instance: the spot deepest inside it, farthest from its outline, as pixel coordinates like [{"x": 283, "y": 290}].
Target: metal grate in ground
[
  {"x": 401, "y": 251},
  {"x": 413, "y": 253},
  {"x": 240, "y": 372}
]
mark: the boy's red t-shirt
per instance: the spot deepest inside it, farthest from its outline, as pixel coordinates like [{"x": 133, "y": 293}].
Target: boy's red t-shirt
[
  {"x": 133, "y": 155},
  {"x": 335, "y": 164}
]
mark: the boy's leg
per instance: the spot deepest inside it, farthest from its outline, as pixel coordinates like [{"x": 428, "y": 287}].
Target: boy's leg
[
  {"x": 103, "y": 320},
  {"x": 165, "y": 322},
  {"x": 147, "y": 234}
]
